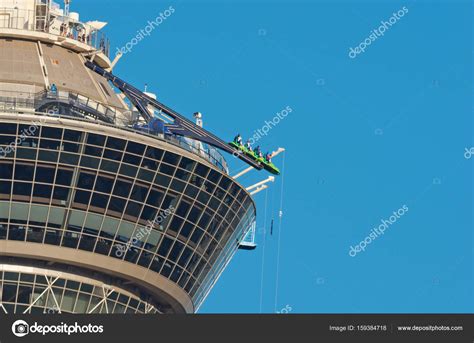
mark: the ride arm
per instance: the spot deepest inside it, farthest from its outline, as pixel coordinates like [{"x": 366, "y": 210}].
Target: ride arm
[{"x": 181, "y": 126}]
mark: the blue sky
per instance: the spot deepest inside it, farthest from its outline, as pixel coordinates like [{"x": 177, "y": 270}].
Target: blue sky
[{"x": 366, "y": 136}]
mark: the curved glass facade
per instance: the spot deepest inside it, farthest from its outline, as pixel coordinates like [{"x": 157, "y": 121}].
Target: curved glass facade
[
  {"x": 113, "y": 196},
  {"x": 24, "y": 292}
]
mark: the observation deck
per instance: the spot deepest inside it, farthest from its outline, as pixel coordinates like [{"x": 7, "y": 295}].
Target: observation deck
[{"x": 49, "y": 23}]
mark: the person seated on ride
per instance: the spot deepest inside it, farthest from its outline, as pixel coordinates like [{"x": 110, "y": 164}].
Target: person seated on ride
[
  {"x": 238, "y": 139},
  {"x": 268, "y": 157},
  {"x": 248, "y": 145},
  {"x": 258, "y": 152}
]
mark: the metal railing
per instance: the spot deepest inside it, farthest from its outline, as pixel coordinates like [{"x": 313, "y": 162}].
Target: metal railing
[
  {"x": 28, "y": 102},
  {"x": 18, "y": 19},
  {"x": 11, "y": 100}
]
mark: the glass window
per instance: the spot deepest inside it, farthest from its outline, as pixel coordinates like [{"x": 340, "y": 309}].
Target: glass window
[
  {"x": 175, "y": 224},
  {"x": 154, "y": 153},
  {"x": 7, "y": 140},
  {"x": 148, "y": 213},
  {"x": 93, "y": 151},
  {"x": 133, "y": 209},
  {"x": 214, "y": 203},
  {"x": 48, "y": 156},
  {"x": 165, "y": 246},
  {"x": 146, "y": 175},
  {"x": 177, "y": 185},
  {"x": 171, "y": 158},
  {"x": 166, "y": 169},
  {"x": 225, "y": 183},
  {"x": 71, "y": 147},
  {"x": 5, "y": 187},
  {"x": 170, "y": 200},
  {"x": 176, "y": 251},
  {"x": 203, "y": 197},
  {"x": 156, "y": 264},
  {"x": 71, "y": 159},
  {"x": 167, "y": 268},
  {"x": 183, "y": 208},
  {"x": 8, "y": 128},
  {"x": 44, "y": 174},
  {"x": 82, "y": 197},
  {"x": 126, "y": 230},
  {"x": 128, "y": 170},
  {"x": 24, "y": 172},
  {"x": 115, "y": 143},
  {"x": 122, "y": 188},
  {"x": 69, "y": 298},
  {"x": 29, "y": 130},
  {"x": 38, "y": 213},
  {"x": 176, "y": 274},
  {"x": 19, "y": 211},
  {"x": 94, "y": 139},
  {"x": 6, "y": 171},
  {"x": 187, "y": 164},
  {"x": 56, "y": 215},
  {"x": 149, "y": 164},
  {"x": 162, "y": 180},
  {"x": 93, "y": 221},
  {"x": 196, "y": 236},
  {"x": 185, "y": 256},
  {"x": 135, "y": 148},
  {"x": 186, "y": 229},
  {"x": 195, "y": 213},
  {"x": 99, "y": 200},
  {"x": 214, "y": 176},
  {"x": 110, "y": 226},
  {"x": 51, "y": 132},
  {"x": 182, "y": 174},
  {"x": 61, "y": 193},
  {"x": 42, "y": 191},
  {"x": 154, "y": 198},
  {"x": 132, "y": 159},
  {"x": 154, "y": 238},
  {"x": 104, "y": 184},
  {"x": 117, "y": 204},
  {"x": 209, "y": 186},
  {"x": 109, "y": 166},
  {"x": 90, "y": 162},
  {"x": 191, "y": 191},
  {"x": 139, "y": 193},
  {"x": 22, "y": 188},
  {"x": 113, "y": 155},
  {"x": 77, "y": 218},
  {"x": 73, "y": 136},
  {"x": 86, "y": 181},
  {"x": 49, "y": 144},
  {"x": 64, "y": 177},
  {"x": 201, "y": 170}
]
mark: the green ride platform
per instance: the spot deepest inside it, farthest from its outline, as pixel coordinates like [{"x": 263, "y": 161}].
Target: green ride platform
[{"x": 268, "y": 166}]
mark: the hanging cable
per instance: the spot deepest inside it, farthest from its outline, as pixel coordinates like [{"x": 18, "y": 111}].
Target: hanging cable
[
  {"x": 263, "y": 249},
  {"x": 280, "y": 215}
]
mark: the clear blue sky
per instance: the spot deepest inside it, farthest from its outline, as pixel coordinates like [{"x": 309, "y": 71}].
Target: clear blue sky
[{"x": 366, "y": 136}]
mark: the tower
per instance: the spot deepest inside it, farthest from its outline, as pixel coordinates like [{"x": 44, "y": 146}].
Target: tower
[{"x": 101, "y": 209}]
